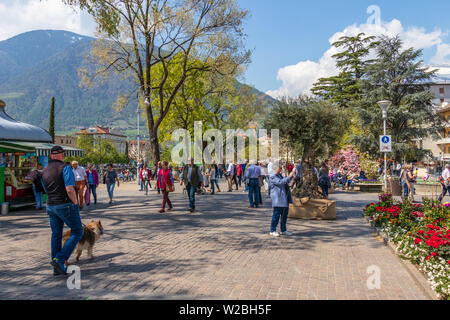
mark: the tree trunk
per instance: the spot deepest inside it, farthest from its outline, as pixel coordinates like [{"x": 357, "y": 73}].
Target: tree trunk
[
  {"x": 308, "y": 185},
  {"x": 154, "y": 144}
]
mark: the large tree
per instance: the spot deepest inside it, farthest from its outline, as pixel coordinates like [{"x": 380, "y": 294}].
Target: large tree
[
  {"x": 136, "y": 36},
  {"x": 397, "y": 75},
  {"x": 51, "y": 127},
  {"x": 352, "y": 63},
  {"x": 317, "y": 127}
]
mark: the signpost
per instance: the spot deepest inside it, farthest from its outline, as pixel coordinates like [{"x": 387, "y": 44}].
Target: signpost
[{"x": 385, "y": 143}]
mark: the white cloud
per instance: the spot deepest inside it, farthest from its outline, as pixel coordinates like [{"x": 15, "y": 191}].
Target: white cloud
[
  {"x": 299, "y": 79},
  {"x": 19, "y": 16}
]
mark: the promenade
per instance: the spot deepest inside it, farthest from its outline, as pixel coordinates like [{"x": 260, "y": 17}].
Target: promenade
[{"x": 222, "y": 251}]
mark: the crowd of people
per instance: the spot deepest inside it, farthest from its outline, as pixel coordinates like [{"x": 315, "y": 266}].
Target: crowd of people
[{"x": 69, "y": 186}]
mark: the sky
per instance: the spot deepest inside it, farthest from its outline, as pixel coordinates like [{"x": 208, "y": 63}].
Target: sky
[{"x": 290, "y": 39}]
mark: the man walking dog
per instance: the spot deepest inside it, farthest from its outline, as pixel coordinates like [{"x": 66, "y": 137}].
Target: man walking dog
[{"x": 62, "y": 207}]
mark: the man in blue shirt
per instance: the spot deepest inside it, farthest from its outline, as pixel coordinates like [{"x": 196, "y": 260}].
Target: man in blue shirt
[
  {"x": 62, "y": 207},
  {"x": 252, "y": 175}
]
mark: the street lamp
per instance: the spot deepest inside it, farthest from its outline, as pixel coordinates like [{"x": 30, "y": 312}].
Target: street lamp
[{"x": 384, "y": 105}]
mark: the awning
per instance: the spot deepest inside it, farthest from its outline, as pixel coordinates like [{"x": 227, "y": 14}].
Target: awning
[{"x": 41, "y": 148}]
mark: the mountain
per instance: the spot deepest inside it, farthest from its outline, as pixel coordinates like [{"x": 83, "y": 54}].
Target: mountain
[{"x": 41, "y": 64}]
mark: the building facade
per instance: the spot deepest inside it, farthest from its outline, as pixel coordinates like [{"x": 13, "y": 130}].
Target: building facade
[
  {"x": 68, "y": 141},
  {"x": 115, "y": 137},
  {"x": 440, "y": 148}
]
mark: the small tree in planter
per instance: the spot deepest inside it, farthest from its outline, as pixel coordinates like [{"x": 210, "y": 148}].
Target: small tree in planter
[{"x": 317, "y": 126}]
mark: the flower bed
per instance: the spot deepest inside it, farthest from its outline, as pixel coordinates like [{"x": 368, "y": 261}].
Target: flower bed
[{"x": 421, "y": 233}]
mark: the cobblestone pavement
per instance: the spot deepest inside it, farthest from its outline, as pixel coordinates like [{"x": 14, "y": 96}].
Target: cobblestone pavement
[{"x": 223, "y": 251}]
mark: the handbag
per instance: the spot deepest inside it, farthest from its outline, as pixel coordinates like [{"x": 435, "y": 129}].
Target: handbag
[{"x": 170, "y": 188}]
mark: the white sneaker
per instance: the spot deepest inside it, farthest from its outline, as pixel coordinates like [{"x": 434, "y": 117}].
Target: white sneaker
[
  {"x": 274, "y": 234},
  {"x": 286, "y": 233}
]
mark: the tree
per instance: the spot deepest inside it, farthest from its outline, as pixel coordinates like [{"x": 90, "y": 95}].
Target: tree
[
  {"x": 137, "y": 36},
  {"x": 51, "y": 127},
  {"x": 399, "y": 76},
  {"x": 352, "y": 63},
  {"x": 317, "y": 126}
]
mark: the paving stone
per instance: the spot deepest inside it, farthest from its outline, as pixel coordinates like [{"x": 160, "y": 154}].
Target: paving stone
[{"x": 221, "y": 251}]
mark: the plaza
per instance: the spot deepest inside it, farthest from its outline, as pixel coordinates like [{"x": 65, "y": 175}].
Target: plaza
[{"x": 222, "y": 251}]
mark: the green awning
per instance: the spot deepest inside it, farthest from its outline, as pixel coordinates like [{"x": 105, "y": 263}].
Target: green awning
[{"x": 41, "y": 148}]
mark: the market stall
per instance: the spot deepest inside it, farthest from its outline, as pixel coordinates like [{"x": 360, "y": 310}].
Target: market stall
[{"x": 23, "y": 148}]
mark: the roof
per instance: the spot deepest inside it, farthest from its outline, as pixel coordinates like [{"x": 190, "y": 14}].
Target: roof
[
  {"x": 41, "y": 148},
  {"x": 102, "y": 130},
  {"x": 11, "y": 129}
]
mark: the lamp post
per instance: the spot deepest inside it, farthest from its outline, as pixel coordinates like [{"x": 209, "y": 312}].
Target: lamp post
[{"x": 384, "y": 105}]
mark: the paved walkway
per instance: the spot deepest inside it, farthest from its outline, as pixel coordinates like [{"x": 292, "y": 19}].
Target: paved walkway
[{"x": 223, "y": 251}]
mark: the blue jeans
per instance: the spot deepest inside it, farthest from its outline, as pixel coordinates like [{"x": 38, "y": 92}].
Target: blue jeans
[
  {"x": 191, "y": 193},
  {"x": 277, "y": 213},
  {"x": 93, "y": 190},
  {"x": 38, "y": 197},
  {"x": 110, "y": 189},
  {"x": 70, "y": 215},
  {"x": 214, "y": 181},
  {"x": 405, "y": 191},
  {"x": 253, "y": 192}
]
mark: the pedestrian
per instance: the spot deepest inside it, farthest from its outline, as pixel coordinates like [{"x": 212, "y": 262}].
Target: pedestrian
[
  {"x": 234, "y": 177},
  {"x": 166, "y": 185},
  {"x": 192, "y": 179},
  {"x": 38, "y": 186},
  {"x": 92, "y": 178},
  {"x": 145, "y": 175},
  {"x": 445, "y": 182},
  {"x": 140, "y": 182},
  {"x": 229, "y": 175},
  {"x": 253, "y": 176},
  {"x": 239, "y": 174},
  {"x": 289, "y": 168},
  {"x": 270, "y": 168},
  {"x": 213, "y": 177},
  {"x": 155, "y": 175},
  {"x": 110, "y": 180},
  {"x": 62, "y": 208},
  {"x": 281, "y": 196},
  {"x": 263, "y": 179},
  {"x": 80, "y": 181},
  {"x": 324, "y": 179}
]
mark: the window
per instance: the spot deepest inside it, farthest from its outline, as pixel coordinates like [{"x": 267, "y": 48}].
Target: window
[
  {"x": 62, "y": 140},
  {"x": 441, "y": 91}
]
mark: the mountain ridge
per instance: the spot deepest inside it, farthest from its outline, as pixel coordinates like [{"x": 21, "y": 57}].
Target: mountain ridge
[{"x": 50, "y": 69}]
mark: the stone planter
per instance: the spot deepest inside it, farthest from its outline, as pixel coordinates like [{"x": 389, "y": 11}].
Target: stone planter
[
  {"x": 370, "y": 187},
  {"x": 312, "y": 209},
  {"x": 394, "y": 187},
  {"x": 428, "y": 190}
]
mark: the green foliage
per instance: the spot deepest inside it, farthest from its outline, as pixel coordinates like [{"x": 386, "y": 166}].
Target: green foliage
[
  {"x": 352, "y": 63},
  {"x": 399, "y": 76},
  {"x": 316, "y": 125},
  {"x": 98, "y": 151}
]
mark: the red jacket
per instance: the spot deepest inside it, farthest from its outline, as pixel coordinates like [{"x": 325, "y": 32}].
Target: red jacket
[
  {"x": 239, "y": 170},
  {"x": 165, "y": 178},
  {"x": 148, "y": 172}
]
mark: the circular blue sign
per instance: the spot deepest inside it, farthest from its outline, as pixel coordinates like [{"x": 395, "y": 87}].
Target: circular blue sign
[{"x": 385, "y": 140}]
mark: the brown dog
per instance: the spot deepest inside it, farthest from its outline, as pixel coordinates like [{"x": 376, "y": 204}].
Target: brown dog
[{"x": 91, "y": 234}]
